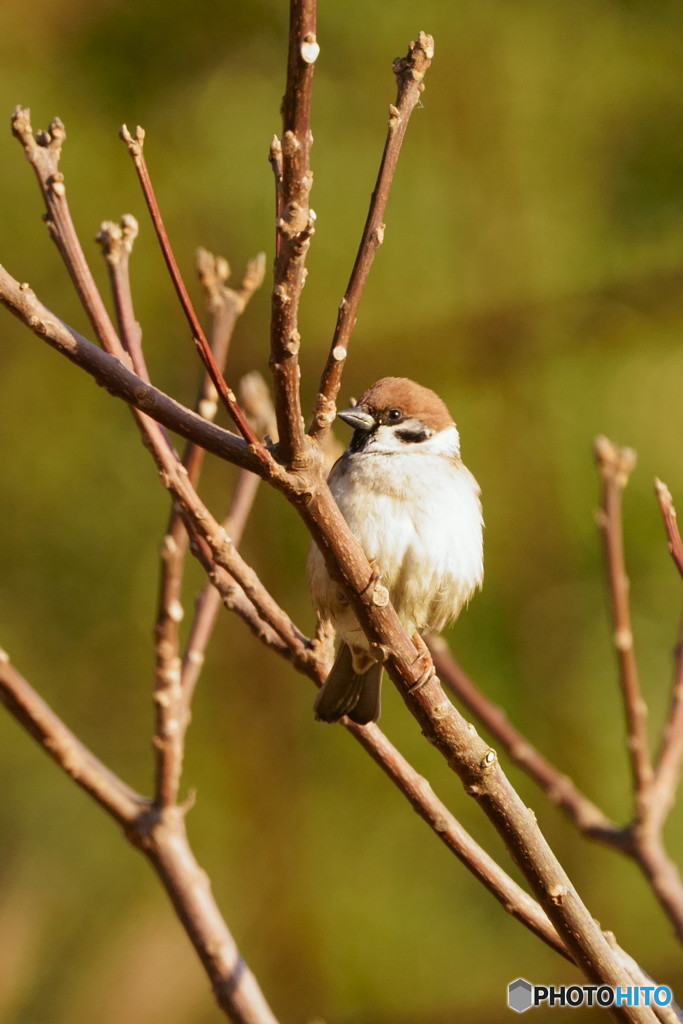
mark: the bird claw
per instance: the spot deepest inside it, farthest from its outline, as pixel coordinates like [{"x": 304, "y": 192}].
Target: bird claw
[
  {"x": 375, "y": 576},
  {"x": 425, "y": 659}
]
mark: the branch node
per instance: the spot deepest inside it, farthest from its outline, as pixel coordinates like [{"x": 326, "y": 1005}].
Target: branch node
[
  {"x": 489, "y": 760},
  {"x": 558, "y": 894},
  {"x": 309, "y": 49}
]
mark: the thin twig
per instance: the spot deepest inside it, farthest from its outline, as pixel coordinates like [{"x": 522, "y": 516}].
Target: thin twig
[
  {"x": 117, "y": 241},
  {"x": 38, "y": 719},
  {"x": 295, "y": 225},
  {"x": 170, "y": 713},
  {"x": 172, "y": 698},
  {"x": 614, "y": 466},
  {"x": 135, "y": 148},
  {"x": 43, "y": 152},
  {"x": 668, "y": 511},
  {"x": 410, "y": 72},
  {"x": 670, "y": 756},
  {"x": 119, "y": 380},
  {"x": 255, "y": 401}
]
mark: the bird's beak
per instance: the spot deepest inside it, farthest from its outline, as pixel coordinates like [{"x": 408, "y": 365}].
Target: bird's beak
[{"x": 357, "y": 419}]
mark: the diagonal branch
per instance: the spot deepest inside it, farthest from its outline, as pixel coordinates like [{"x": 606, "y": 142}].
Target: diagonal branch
[
  {"x": 668, "y": 511},
  {"x": 119, "y": 380},
  {"x": 474, "y": 762},
  {"x": 410, "y": 72},
  {"x": 43, "y": 152},
  {"x": 135, "y": 148},
  {"x": 87, "y": 771}
]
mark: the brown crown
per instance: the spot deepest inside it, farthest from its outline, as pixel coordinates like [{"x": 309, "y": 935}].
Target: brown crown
[{"x": 412, "y": 399}]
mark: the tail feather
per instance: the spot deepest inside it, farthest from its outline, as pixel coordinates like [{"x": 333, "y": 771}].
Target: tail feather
[{"x": 347, "y": 692}]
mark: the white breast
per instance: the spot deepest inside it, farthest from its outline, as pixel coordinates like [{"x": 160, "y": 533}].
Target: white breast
[{"x": 417, "y": 516}]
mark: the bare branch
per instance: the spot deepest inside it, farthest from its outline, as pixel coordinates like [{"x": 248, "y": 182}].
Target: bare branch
[
  {"x": 670, "y": 757},
  {"x": 410, "y": 72},
  {"x": 164, "y": 842},
  {"x": 295, "y": 225},
  {"x": 73, "y": 757},
  {"x": 117, "y": 241},
  {"x": 467, "y": 755},
  {"x": 135, "y": 148},
  {"x": 668, "y": 511},
  {"x": 255, "y": 401},
  {"x": 162, "y": 838},
  {"x": 120, "y": 381},
  {"x": 43, "y": 152},
  {"x": 614, "y": 466},
  {"x": 172, "y": 697}
]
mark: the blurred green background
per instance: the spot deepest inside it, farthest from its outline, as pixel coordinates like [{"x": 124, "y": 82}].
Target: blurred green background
[{"x": 532, "y": 272}]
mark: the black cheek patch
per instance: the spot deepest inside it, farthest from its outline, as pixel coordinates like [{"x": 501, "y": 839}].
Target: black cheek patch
[
  {"x": 414, "y": 435},
  {"x": 359, "y": 440}
]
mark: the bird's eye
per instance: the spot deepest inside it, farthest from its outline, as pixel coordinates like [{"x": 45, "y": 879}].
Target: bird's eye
[{"x": 394, "y": 415}]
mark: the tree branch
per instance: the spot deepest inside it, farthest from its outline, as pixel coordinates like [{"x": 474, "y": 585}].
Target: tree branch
[
  {"x": 410, "y": 72},
  {"x": 117, "y": 241},
  {"x": 162, "y": 838},
  {"x": 72, "y": 756},
  {"x": 295, "y": 226},
  {"x": 614, "y": 466},
  {"x": 135, "y": 148},
  {"x": 668, "y": 511},
  {"x": 119, "y": 380}
]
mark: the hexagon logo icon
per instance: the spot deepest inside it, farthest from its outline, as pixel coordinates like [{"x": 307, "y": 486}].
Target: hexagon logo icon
[{"x": 519, "y": 995}]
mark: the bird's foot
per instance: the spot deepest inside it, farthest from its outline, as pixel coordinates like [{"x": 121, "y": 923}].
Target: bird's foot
[{"x": 424, "y": 661}]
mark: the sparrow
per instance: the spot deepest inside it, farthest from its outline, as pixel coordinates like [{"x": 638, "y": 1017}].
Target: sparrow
[{"x": 414, "y": 507}]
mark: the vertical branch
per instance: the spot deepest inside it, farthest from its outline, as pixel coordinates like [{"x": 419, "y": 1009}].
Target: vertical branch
[
  {"x": 614, "y": 466},
  {"x": 295, "y": 225},
  {"x": 255, "y": 400},
  {"x": 236, "y": 990},
  {"x": 117, "y": 242},
  {"x": 410, "y": 72},
  {"x": 172, "y": 698}
]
